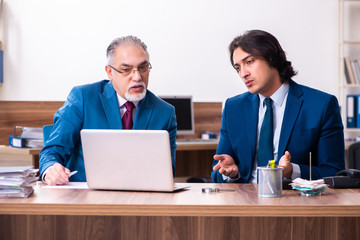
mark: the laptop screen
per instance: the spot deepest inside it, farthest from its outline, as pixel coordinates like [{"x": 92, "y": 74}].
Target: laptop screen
[{"x": 138, "y": 160}]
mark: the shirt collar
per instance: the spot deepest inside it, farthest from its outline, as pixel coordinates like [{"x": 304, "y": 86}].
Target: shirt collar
[
  {"x": 122, "y": 101},
  {"x": 278, "y": 96}
]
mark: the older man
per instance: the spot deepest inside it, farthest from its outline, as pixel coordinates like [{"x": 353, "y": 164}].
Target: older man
[{"x": 122, "y": 102}]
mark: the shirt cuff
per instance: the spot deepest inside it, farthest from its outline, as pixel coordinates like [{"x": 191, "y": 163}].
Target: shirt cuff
[
  {"x": 43, "y": 176},
  {"x": 296, "y": 171},
  {"x": 231, "y": 180}
]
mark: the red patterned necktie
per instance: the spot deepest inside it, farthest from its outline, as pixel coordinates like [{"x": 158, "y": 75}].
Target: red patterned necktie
[{"x": 127, "y": 120}]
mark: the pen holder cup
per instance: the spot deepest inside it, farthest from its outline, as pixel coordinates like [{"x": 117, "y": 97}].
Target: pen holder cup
[{"x": 269, "y": 182}]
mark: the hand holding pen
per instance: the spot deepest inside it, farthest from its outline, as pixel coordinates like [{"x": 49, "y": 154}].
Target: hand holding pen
[{"x": 57, "y": 174}]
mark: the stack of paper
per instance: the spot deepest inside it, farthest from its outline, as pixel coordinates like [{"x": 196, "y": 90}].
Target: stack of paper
[
  {"x": 309, "y": 187},
  {"x": 17, "y": 181}
]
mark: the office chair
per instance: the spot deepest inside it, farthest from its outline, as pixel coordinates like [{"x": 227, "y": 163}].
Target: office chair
[
  {"x": 199, "y": 180},
  {"x": 46, "y": 132},
  {"x": 353, "y": 155}
]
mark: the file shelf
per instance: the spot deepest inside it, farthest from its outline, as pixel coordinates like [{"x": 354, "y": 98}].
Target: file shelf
[{"x": 349, "y": 47}]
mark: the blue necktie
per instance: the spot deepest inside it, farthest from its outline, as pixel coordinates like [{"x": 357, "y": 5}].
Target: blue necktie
[{"x": 265, "y": 150}]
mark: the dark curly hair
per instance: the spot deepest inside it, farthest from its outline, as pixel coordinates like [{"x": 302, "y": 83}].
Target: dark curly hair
[{"x": 264, "y": 46}]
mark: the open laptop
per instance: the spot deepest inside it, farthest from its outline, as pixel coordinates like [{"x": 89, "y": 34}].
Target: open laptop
[{"x": 136, "y": 160}]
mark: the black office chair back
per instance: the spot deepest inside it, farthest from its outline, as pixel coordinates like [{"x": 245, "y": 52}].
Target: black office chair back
[{"x": 353, "y": 155}]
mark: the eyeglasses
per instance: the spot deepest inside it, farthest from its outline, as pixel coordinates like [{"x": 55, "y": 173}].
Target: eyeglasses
[{"x": 127, "y": 70}]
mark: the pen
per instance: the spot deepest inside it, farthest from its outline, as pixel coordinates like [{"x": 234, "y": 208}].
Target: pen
[{"x": 72, "y": 173}]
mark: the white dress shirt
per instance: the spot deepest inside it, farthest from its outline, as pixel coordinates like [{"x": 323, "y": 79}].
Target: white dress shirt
[{"x": 122, "y": 102}]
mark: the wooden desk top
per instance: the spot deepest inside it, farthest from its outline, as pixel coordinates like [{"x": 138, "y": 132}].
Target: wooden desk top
[
  {"x": 195, "y": 146},
  {"x": 180, "y": 147},
  {"x": 24, "y": 151},
  {"x": 242, "y": 202},
  {"x": 189, "y": 145}
]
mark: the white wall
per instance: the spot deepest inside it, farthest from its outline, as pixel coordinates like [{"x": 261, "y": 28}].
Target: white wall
[{"x": 50, "y": 46}]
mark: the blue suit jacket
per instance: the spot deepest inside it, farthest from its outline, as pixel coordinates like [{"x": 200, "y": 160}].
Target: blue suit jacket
[
  {"x": 95, "y": 106},
  {"x": 311, "y": 123}
]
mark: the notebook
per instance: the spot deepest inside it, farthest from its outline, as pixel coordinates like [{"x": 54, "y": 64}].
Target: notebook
[{"x": 136, "y": 160}]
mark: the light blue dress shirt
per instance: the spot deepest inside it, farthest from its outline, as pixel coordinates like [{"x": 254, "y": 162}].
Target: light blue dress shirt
[{"x": 279, "y": 103}]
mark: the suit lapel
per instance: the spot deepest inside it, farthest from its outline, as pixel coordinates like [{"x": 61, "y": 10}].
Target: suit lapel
[
  {"x": 111, "y": 106},
  {"x": 143, "y": 113},
  {"x": 251, "y": 112},
  {"x": 292, "y": 110},
  {"x": 244, "y": 132}
]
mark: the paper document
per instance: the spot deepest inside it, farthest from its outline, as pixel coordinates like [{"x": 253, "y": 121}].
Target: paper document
[
  {"x": 17, "y": 181},
  {"x": 71, "y": 185}
]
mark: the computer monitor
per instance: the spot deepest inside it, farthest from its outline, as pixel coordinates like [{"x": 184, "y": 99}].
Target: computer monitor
[{"x": 184, "y": 113}]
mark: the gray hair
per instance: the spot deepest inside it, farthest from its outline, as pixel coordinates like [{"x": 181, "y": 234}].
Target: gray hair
[{"x": 128, "y": 40}]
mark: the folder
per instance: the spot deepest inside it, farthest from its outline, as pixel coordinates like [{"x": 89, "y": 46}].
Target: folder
[
  {"x": 357, "y": 111},
  {"x": 346, "y": 71},
  {"x": 356, "y": 68},
  {"x": 16, "y": 142},
  {"x": 350, "y": 72},
  {"x": 351, "y": 107},
  {"x": 1, "y": 66},
  {"x": 28, "y": 137}
]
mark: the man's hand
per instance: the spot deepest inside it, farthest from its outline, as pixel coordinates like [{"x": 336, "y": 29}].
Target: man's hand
[
  {"x": 226, "y": 165},
  {"x": 57, "y": 174},
  {"x": 286, "y": 165}
]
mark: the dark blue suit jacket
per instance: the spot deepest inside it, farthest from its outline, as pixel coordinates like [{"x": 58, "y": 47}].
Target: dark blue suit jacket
[
  {"x": 311, "y": 123},
  {"x": 95, "y": 106}
]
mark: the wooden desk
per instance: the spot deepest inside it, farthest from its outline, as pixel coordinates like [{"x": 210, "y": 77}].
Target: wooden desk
[
  {"x": 10, "y": 156},
  {"x": 196, "y": 146},
  {"x": 194, "y": 158},
  {"x": 190, "y": 214}
]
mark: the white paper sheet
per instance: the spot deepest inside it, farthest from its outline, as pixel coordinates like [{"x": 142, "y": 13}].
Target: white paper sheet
[{"x": 71, "y": 185}]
